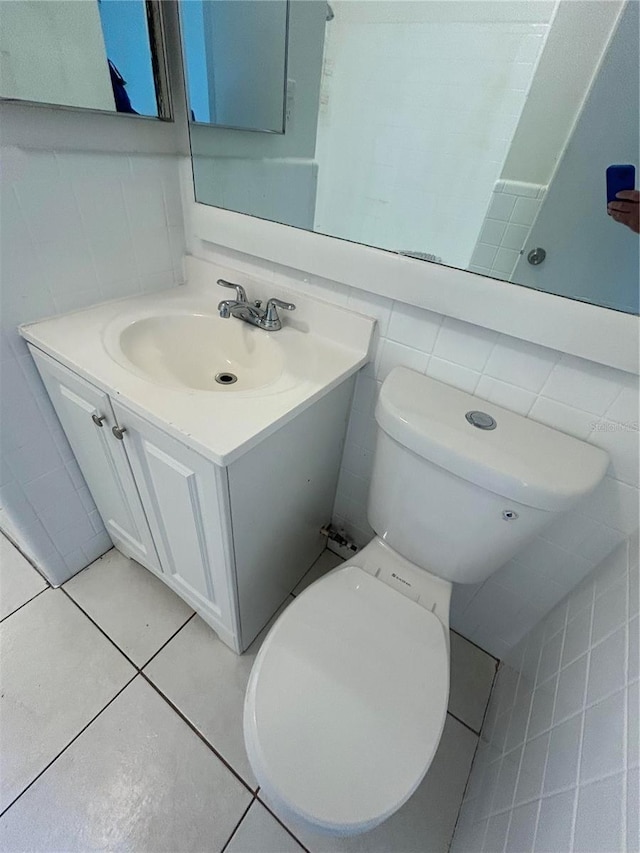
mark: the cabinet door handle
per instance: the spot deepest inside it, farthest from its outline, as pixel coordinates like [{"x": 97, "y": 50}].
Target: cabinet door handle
[
  {"x": 118, "y": 432},
  {"x": 97, "y": 419}
]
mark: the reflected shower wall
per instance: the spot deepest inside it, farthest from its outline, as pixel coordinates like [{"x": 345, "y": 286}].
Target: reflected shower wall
[{"x": 419, "y": 105}]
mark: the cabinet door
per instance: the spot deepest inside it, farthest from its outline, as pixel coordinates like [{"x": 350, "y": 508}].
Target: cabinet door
[
  {"x": 185, "y": 497},
  {"x": 100, "y": 456}
]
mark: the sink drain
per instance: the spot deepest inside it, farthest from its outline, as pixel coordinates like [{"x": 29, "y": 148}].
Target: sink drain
[{"x": 226, "y": 378}]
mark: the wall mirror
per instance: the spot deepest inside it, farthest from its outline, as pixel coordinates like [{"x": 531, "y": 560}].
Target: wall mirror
[
  {"x": 470, "y": 133},
  {"x": 105, "y": 55},
  {"x": 236, "y": 62}
]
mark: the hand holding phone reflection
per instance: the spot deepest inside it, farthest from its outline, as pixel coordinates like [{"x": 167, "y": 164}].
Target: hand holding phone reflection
[{"x": 626, "y": 209}]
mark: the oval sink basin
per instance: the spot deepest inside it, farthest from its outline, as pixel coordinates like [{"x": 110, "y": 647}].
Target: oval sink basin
[{"x": 202, "y": 352}]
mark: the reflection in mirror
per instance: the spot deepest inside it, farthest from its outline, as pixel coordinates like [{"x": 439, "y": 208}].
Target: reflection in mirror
[
  {"x": 236, "y": 62},
  {"x": 471, "y": 133},
  {"x": 96, "y": 54}
]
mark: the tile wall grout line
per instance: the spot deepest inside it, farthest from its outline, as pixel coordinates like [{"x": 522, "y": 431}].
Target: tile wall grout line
[
  {"x": 553, "y": 711},
  {"x": 198, "y": 733},
  {"x": 24, "y": 604},
  {"x": 237, "y": 826},
  {"x": 73, "y": 739}
]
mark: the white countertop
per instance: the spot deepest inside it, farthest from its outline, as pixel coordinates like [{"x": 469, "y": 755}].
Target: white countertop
[{"x": 330, "y": 343}]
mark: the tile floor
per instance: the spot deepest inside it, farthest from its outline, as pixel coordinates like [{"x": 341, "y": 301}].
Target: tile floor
[{"x": 121, "y": 726}]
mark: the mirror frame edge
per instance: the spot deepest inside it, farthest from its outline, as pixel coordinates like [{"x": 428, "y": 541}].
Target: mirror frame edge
[{"x": 587, "y": 331}]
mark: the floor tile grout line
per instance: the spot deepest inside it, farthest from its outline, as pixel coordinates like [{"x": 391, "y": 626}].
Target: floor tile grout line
[
  {"x": 138, "y": 667},
  {"x": 475, "y": 752},
  {"x": 237, "y": 826},
  {"x": 462, "y": 723},
  {"x": 198, "y": 733},
  {"x": 24, "y": 604},
  {"x": 475, "y": 645},
  {"x": 486, "y": 707},
  {"x": 466, "y": 785},
  {"x": 166, "y": 642},
  {"x": 73, "y": 740},
  {"x": 28, "y": 559},
  {"x": 283, "y": 825},
  {"x": 102, "y": 631}
]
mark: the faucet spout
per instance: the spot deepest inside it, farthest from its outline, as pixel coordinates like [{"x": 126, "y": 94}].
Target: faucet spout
[{"x": 225, "y": 307}]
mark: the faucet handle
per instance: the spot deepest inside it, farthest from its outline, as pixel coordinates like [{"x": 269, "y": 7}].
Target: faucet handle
[
  {"x": 271, "y": 320},
  {"x": 241, "y": 293},
  {"x": 274, "y": 304}
]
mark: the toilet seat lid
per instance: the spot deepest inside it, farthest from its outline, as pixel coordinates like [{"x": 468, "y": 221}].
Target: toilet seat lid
[{"x": 347, "y": 701}]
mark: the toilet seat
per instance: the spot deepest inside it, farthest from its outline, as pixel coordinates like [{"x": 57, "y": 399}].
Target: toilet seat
[{"x": 346, "y": 702}]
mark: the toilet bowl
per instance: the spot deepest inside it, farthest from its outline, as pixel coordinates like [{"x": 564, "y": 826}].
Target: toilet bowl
[
  {"x": 355, "y": 675},
  {"x": 347, "y": 697}
]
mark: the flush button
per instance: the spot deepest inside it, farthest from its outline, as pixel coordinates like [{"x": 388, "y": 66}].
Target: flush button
[{"x": 481, "y": 420}]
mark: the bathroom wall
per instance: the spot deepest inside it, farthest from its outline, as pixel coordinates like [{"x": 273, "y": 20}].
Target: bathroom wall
[
  {"x": 411, "y": 92},
  {"x": 76, "y": 228},
  {"x": 54, "y": 52},
  {"x": 579, "y": 397},
  {"x": 557, "y": 766}
]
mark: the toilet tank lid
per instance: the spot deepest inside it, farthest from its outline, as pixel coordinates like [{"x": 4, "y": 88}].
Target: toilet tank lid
[{"x": 520, "y": 459}]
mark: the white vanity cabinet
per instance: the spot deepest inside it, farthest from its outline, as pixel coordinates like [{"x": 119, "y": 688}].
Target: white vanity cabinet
[
  {"x": 232, "y": 540},
  {"x": 185, "y": 497},
  {"x": 87, "y": 418}
]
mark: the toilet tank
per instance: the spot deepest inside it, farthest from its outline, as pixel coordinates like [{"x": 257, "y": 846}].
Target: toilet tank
[{"x": 460, "y": 500}]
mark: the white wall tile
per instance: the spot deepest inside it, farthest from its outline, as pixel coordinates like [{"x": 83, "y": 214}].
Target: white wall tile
[
  {"x": 504, "y": 394},
  {"x": 523, "y": 827},
  {"x": 622, "y": 443},
  {"x": 464, "y": 344},
  {"x": 394, "y": 354},
  {"x": 607, "y": 668},
  {"x": 564, "y": 418},
  {"x": 77, "y": 228},
  {"x": 524, "y": 211},
  {"x": 581, "y": 748},
  {"x": 625, "y": 408},
  {"x": 583, "y": 384},
  {"x": 504, "y": 262},
  {"x": 609, "y": 611},
  {"x": 599, "y": 828},
  {"x": 576, "y": 638},
  {"x": 506, "y": 227},
  {"x": 492, "y": 232},
  {"x": 555, "y": 822},
  {"x": 521, "y": 363},
  {"x": 453, "y": 374},
  {"x": 414, "y": 327},
  {"x": 572, "y": 682},
  {"x": 603, "y": 751}
]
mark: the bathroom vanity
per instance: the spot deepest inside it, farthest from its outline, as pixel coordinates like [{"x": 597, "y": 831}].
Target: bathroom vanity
[{"x": 218, "y": 489}]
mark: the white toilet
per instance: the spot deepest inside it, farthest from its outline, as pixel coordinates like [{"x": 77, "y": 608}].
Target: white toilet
[{"x": 348, "y": 695}]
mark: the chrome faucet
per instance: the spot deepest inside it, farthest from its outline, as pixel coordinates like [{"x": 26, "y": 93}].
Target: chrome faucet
[{"x": 266, "y": 318}]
